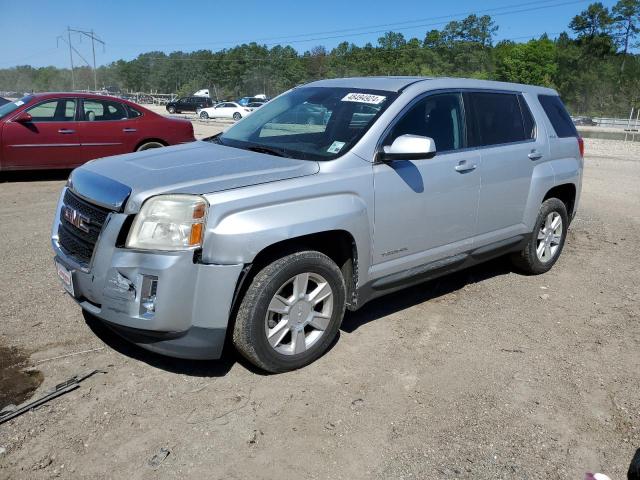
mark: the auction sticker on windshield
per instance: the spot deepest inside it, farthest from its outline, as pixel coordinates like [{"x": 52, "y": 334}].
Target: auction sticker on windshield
[
  {"x": 335, "y": 147},
  {"x": 364, "y": 98}
]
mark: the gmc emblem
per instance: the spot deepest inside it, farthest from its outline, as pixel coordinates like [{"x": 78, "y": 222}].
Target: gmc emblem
[{"x": 76, "y": 219}]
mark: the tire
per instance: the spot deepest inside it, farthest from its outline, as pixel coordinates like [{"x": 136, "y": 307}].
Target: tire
[
  {"x": 544, "y": 238},
  {"x": 204, "y": 115},
  {"x": 297, "y": 340},
  {"x": 171, "y": 109},
  {"x": 237, "y": 116},
  {"x": 149, "y": 145}
]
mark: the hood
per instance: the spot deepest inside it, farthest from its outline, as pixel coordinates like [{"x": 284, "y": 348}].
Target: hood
[{"x": 196, "y": 167}]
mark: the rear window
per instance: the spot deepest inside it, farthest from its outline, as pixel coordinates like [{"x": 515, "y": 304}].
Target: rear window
[
  {"x": 558, "y": 116},
  {"x": 497, "y": 119}
]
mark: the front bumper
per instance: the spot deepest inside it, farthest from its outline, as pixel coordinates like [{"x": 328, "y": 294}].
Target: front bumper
[{"x": 192, "y": 300}]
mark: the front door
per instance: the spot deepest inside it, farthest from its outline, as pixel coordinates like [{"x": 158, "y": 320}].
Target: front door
[
  {"x": 426, "y": 210},
  {"x": 50, "y": 140}
]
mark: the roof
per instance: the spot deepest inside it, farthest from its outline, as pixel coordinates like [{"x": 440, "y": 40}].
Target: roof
[
  {"x": 390, "y": 84},
  {"x": 396, "y": 84},
  {"x": 73, "y": 94}
]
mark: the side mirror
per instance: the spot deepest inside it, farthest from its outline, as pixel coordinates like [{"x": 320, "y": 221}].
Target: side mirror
[
  {"x": 24, "y": 117},
  {"x": 409, "y": 147}
]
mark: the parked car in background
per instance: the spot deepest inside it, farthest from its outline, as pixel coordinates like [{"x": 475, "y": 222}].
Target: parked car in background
[
  {"x": 225, "y": 110},
  {"x": 3, "y": 101},
  {"x": 253, "y": 105},
  {"x": 64, "y": 130},
  {"x": 244, "y": 101},
  {"x": 584, "y": 121},
  {"x": 266, "y": 234},
  {"x": 188, "y": 104}
]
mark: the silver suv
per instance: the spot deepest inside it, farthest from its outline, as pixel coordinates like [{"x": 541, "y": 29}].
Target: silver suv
[{"x": 266, "y": 233}]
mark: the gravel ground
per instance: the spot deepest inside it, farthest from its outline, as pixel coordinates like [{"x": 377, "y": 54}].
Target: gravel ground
[{"x": 482, "y": 374}]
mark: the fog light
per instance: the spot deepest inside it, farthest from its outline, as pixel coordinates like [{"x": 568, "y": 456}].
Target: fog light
[{"x": 148, "y": 295}]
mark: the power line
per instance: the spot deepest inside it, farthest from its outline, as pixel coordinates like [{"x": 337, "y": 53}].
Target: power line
[
  {"x": 72, "y": 49},
  {"x": 297, "y": 38}
]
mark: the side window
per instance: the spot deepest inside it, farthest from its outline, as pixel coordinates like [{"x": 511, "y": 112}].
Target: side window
[
  {"x": 92, "y": 110},
  {"x": 527, "y": 118},
  {"x": 558, "y": 116},
  {"x": 435, "y": 116},
  {"x": 104, "y": 110},
  {"x": 497, "y": 118},
  {"x": 54, "y": 111},
  {"x": 133, "y": 113}
]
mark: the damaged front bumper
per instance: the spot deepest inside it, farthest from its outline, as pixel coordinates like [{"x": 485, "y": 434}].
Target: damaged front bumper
[{"x": 166, "y": 302}]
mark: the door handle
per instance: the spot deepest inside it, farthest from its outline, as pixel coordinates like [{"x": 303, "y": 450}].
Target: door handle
[
  {"x": 463, "y": 166},
  {"x": 534, "y": 155},
  {"x": 127, "y": 130},
  {"x": 66, "y": 130}
]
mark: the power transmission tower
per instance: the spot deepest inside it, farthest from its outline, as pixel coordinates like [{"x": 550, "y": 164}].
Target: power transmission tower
[{"x": 72, "y": 49}]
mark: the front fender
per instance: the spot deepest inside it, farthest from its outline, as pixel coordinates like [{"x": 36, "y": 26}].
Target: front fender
[{"x": 239, "y": 236}]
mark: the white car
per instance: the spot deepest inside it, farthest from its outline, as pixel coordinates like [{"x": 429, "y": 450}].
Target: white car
[{"x": 225, "y": 110}]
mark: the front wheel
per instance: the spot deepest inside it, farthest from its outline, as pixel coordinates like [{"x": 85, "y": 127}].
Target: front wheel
[
  {"x": 204, "y": 115},
  {"x": 291, "y": 312},
  {"x": 171, "y": 110},
  {"x": 237, "y": 116},
  {"x": 547, "y": 239}
]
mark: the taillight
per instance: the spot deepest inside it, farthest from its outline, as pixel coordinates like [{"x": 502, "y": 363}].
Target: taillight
[{"x": 581, "y": 146}]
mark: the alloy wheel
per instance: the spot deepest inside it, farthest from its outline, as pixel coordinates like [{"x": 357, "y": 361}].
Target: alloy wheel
[
  {"x": 549, "y": 237},
  {"x": 299, "y": 313}
]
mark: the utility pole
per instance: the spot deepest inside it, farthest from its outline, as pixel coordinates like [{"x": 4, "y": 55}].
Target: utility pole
[
  {"x": 94, "y": 39},
  {"x": 93, "y": 49},
  {"x": 73, "y": 81}
]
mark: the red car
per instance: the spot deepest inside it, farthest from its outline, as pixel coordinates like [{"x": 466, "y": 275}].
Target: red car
[{"x": 64, "y": 130}]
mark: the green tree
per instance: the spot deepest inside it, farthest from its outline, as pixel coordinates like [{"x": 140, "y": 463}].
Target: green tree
[
  {"x": 626, "y": 21},
  {"x": 533, "y": 62},
  {"x": 592, "y": 22}
]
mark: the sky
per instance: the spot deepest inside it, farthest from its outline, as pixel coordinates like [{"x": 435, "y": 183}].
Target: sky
[{"x": 30, "y": 29}]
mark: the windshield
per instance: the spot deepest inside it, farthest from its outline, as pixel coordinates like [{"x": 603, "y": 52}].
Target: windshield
[
  {"x": 311, "y": 123},
  {"x": 7, "y": 108}
]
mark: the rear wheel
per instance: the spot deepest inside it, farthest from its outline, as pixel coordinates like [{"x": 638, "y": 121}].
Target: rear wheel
[
  {"x": 171, "y": 109},
  {"x": 291, "y": 312},
  {"x": 547, "y": 239},
  {"x": 148, "y": 145},
  {"x": 204, "y": 115},
  {"x": 237, "y": 116}
]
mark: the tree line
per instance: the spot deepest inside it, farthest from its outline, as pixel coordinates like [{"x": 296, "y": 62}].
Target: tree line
[{"x": 593, "y": 66}]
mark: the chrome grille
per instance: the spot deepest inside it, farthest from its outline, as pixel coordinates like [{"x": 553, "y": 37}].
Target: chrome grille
[{"x": 77, "y": 242}]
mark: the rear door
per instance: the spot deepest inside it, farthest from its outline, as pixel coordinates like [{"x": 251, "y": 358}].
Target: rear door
[
  {"x": 105, "y": 129},
  {"x": 503, "y": 129},
  {"x": 50, "y": 140}
]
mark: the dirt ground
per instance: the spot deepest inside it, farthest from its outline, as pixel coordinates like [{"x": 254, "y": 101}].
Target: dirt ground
[{"x": 481, "y": 374}]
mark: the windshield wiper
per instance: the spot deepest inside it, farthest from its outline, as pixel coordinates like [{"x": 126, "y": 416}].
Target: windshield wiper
[{"x": 268, "y": 150}]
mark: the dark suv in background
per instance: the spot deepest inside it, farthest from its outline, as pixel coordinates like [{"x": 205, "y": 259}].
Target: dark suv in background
[{"x": 189, "y": 104}]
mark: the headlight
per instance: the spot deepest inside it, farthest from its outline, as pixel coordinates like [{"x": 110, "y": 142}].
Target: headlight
[{"x": 169, "y": 222}]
